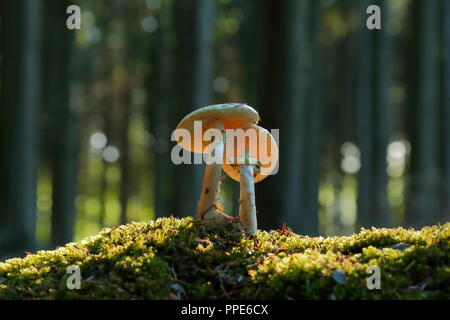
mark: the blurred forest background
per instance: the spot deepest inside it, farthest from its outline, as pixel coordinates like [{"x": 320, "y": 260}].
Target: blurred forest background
[{"x": 86, "y": 115}]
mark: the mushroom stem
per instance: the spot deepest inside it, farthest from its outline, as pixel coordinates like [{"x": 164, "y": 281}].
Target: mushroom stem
[
  {"x": 210, "y": 195},
  {"x": 247, "y": 206}
]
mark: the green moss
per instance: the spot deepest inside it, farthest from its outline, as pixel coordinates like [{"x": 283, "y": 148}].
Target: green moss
[{"x": 178, "y": 259}]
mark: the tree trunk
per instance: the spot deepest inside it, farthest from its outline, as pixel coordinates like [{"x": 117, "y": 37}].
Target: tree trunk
[
  {"x": 124, "y": 161},
  {"x": 446, "y": 108},
  {"x": 422, "y": 206},
  {"x": 364, "y": 126},
  {"x": 252, "y": 53},
  {"x": 268, "y": 200},
  {"x": 286, "y": 97},
  {"x": 63, "y": 137},
  {"x": 295, "y": 74},
  {"x": 193, "y": 26},
  {"x": 161, "y": 121},
  {"x": 380, "y": 215},
  {"x": 313, "y": 124},
  {"x": 21, "y": 44}
]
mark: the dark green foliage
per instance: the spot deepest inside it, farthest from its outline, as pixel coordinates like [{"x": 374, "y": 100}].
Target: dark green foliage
[{"x": 178, "y": 259}]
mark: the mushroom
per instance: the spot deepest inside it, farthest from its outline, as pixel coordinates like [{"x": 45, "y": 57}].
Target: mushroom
[
  {"x": 221, "y": 117},
  {"x": 250, "y": 162}
]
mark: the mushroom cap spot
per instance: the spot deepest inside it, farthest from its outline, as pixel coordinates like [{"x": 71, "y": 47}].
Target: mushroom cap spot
[
  {"x": 232, "y": 115},
  {"x": 264, "y": 161}
]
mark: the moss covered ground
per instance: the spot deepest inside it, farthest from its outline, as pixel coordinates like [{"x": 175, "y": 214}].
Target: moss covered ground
[{"x": 178, "y": 259}]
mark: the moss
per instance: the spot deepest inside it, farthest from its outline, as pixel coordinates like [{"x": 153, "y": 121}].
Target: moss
[{"x": 178, "y": 259}]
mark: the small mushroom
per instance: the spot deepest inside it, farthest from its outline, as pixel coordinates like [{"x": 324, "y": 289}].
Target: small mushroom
[
  {"x": 220, "y": 116},
  {"x": 250, "y": 163}
]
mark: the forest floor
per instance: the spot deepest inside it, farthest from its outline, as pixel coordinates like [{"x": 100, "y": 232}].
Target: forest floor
[{"x": 173, "y": 258}]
